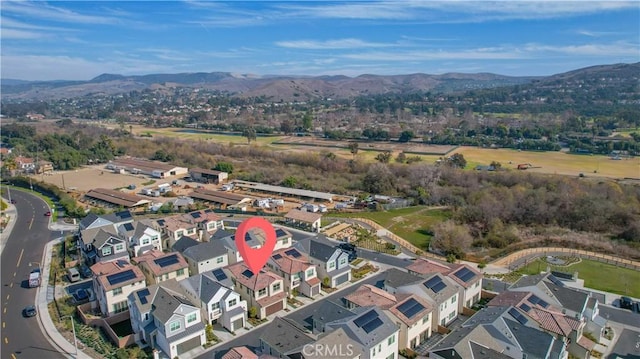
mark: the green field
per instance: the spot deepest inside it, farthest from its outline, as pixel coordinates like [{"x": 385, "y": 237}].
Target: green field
[
  {"x": 413, "y": 223},
  {"x": 3, "y": 205},
  {"x": 596, "y": 275}
]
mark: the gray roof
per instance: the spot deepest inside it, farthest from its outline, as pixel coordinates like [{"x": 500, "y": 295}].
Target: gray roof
[
  {"x": 220, "y": 234},
  {"x": 183, "y": 243},
  {"x": 626, "y": 347},
  {"x": 285, "y": 336},
  {"x": 488, "y": 315},
  {"x": 187, "y": 332},
  {"x": 447, "y": 292},
  {"x": 535, "y": 343},
  {"x": 337, "y": 338},
  {"x": 135, "y": 298},
  {"x": 383, "y": 331},
  {"x": 328, "y": 311},
  {"x": 481, "y": 352},
  {"x": 103, "y": 237},
  {"x": 395, "y": 278},
  {"x": 119, "y": 217},
  {"x": 321, "y": 251},
  {"x": 137, "y": 231},
  {"x": 88, "y": 220},
  {"x": 529, "y": 280},
  {"x": 227, "y": 282},
  {"x": 166, "y": 301},
  {"x": 206, "y": 250},
  {"x": 569, "y": 298},
  {"x": 204, "y": 286}
]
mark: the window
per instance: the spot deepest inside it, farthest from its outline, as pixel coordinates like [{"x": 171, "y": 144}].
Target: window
[
  {"x": 106, "y": 251},
  {"x": 391, "y": 356},
  {"x": 343, "y": 261},
  {"x": 477, "y": 284},
  {"x": 453, "y": 299},
  {"x": 146, "y": 316},
  {"x": 425, "y": 319},
  {"x": 391, "y": 340},
  {"x": 284, "y": 240},
  {"x": 262, "y": 292},
  {"x": 154, "y": 238},
  {"x": 310, "y": 272},
  {"x": 276, "y": 287},
  {"x": 180, "y": 272},
  {"x": 332, "y": 265},
  {"x": 119, "y": 247},
  {"x": 120, "y": 307},
  {"x": 219, "y": 259},
  {"x": 232, "y": 302},
  {"x": 215, "y": 306},
  {"x": 174, "y": 326},
  {"x": 191, "y": 318},
  {"x": 374, "y": 352},
  {"x": 117, "y": 291},
  {"x": 179, "y": 233},
  {"x": 145, "y": 241},
  {"x": 452, "y": 314}
]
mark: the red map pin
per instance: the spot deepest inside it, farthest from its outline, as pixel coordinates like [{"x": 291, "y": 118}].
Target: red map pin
[{"x": 255, "y": 259}]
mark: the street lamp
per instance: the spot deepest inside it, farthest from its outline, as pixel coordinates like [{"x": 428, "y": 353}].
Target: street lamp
[{"x": 73, "y": 328}]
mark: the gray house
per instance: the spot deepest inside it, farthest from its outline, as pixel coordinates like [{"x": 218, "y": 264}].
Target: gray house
[
  {"x": 206, "y": 256},
  {"x": 331, "y": 262}
]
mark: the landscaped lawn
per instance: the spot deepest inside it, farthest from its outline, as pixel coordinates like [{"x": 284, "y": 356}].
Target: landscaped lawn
[
  {"x": 596, "y": 275},
  {"x": 412, "y": 223}
]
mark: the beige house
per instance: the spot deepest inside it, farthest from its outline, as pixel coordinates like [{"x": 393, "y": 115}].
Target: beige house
[
  {"x": 159, "y": 267},
  {"x": 302, "y": 219},
  {"x": 113, "y": 282},
  {"x": 264, "y": 290}
]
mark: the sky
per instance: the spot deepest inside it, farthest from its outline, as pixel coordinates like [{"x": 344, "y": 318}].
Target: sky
[{"x": 79, "y": 40}]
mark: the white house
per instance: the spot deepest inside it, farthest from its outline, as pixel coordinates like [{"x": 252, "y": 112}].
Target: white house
[{"x": 112, "y": 284}]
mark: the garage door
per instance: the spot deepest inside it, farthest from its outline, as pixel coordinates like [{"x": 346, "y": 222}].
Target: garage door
[
  {"x": 237, "y": 324},
  {"x": 188, "y": 345},
  {"x": 273, "y": 308},
  {"x": 342, "y": 279}
]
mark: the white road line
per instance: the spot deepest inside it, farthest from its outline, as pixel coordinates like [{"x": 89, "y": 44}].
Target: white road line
[{"x": 20, "y": 258}]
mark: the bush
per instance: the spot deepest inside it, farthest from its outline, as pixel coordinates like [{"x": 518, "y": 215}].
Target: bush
[
  {"x": 253, "y": 312},
  {"x": 211, "y": 337}
]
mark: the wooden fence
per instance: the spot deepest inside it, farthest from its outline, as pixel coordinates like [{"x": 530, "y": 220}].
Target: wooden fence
[{"x": 510, "y": 260}]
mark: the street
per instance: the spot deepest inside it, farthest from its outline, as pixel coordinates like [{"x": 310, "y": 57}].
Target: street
[{"x": 22, "y": 337}]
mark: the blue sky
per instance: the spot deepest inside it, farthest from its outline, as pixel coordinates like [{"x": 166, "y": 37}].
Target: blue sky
[{"x": 79, "y": 40}]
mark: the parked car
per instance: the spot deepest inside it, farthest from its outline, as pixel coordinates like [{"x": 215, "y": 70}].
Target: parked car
[
  {"x": 626, "y": 303},
  {"x": 29, "y": 311},
  {"x": 13, "y": 201},
  {"x": 347, "y": 247},
  {"x": 48, "y": 214},
  {"x": 85, "y": 271}
]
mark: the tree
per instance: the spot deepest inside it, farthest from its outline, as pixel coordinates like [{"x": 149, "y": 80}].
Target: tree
[
  {"x": 406, "y": 136},
  {"x": 223, "y": 167},
  {"x": 287, "y": 126},
  {"x": 253, "y": 312},
  {"x": 378, "y": 179},
  {"x": 353, "y": 147},
  {"x": 496, "y": 165},
  {"x": 249, "y": 133},
  {"x": 307, "y": 121},
  {"x": 290, "y": 182},
  {"x": 326, "y": 282},
  {"x": 451, "y": 238},
  {"x": 457, "y": 160},
  {"x": 211, "y": 336},
  {"x": 384, "y": 157},
  {"x": 401, "y": 158}
]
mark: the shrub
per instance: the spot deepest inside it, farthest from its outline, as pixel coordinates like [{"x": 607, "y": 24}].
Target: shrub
[{"x": 253, "y": 312}]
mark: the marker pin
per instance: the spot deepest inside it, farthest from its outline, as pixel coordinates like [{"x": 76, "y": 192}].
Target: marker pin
[{"x": 255, "y": 259}]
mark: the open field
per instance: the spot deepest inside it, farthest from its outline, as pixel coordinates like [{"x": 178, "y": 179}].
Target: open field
[
  {"x": 555, "y": 162},
  {"x": 409, "y": 148},
  {"x": 596, "y": 275},
  {"x": 413, "y": 223},
  {"x": 188, "y": 133},
  {"x": 86, "y": 178}
]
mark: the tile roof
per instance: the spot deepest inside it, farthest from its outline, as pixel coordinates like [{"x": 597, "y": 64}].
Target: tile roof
[
  {"x": 102, "y": 270},
  {"x": 289, "y": 264},
  {"x": 244, "y": 276},
  {"x": 369, "y": 295},
  {"x": 554, "y": 322},
  {"x": 239, "y": 353},
  {"x": 154, "y": 259},
  {"x": 457, "y": 268},
  {"x": 303, "y": 216},
  {"x": 426, "y": 266}
]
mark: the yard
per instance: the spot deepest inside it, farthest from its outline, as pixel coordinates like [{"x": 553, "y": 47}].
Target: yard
[
  {"x": 596, "y": 275},
  {"x": 412, "y": 223}
]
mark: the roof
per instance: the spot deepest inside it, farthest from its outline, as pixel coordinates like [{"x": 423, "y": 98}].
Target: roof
[
  {"x": 285, "y": 259},
  {"x": 553, "y": 322},
  {"x": 119, "y": 217},
  {"x": 626, "y": 347},
  {"x": 89, "y": 235},
  {"x": 328, "y": 311},
  {"x": 534, "y": 343},
  {"x": 336, "y": 338},
  {"x": 160, "y": 263},
  {"x": 220, "y": 234},
  {"x": 142, "y": 164},
  {"x": 221, "y": 197},
  {"x": 202, "y": 216},
  {"x": 117, "y": 197},
  {"x": 204, "y": 286},
  {"x": 411, "y": 309},
  {"x": 481, "y": 352},
  {"x": 395, "y": 278},
  {"x": 116, "y": 274},
  {"x": 285, "y": 336},
  {"x": 464, "y": 274},
  {"x": 206, "y": 171},
  {"x": 284, "y": 190},
  {"x": 427, "y": 266},
  {"x": 569, "y": 298},
  {"x": 303, "y": 216},
  {"x": 368, "y": 326},
  {"x": 321, "y": 251},
  {"x": 368, "y": 295},
  {"x": 88, "y": 220},
  {"x": 102, "y": 237},
  {"x": 528, "y": 280},
  {"x": 244, "y": 276},
  {"x": 183, "y": 243},
  {"x": 239, "y": 353},
  {"x": 508, "y": 298},
  {"x": 167, "y": 302},
  {"x": 205, "y": 250}
]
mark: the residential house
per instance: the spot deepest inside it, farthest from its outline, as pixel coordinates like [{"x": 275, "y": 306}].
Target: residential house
[
  {"x": 410, "y": 312},
  {"x": 394, "y": 278},
  {"x": 263, "y": 290},
  {"x": 44, "y": 167},
  {"x": 164, "y": 317},
  {"x": 141, "y": 236},
  {"x": 441, "y": 292},
  {"x": 302, "y": 219},
  {"x": 229, "y": 242},
  {"x": 375, "y": 333},
  {"x": 335, "y": 344},
  {"x": 159, "y": 267},
  {"x": 206, "y": 256},
  {"x": 498, "y": 333},
  {"x": 219, "y": 304},
  {"x": 332, "y": 263},
  {"x": 183, "y": 243},
  {"x": 107, "y": 246},
  {"x": 92, "y": 225},
  {"x": 325, "y": 312},
  {"x": 298, "y": 273},
  {"x": 207, "y": 222},
  {"x": 113, "y": 282},
  {"x": 25, "y": 164},
  {"x": 284, "y": 338},
  {"x": 95, "y": 221},
  {"x": 175, "y": 227},
  {"x": 240, "y": 353}
]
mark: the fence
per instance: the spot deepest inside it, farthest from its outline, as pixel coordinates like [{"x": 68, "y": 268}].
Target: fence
[
  {"x": 106, "y": 323},
  {"x": 512, "y": 259}
]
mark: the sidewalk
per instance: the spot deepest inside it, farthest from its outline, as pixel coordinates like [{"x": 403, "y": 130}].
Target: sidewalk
[{"x": 13, "y": 215}]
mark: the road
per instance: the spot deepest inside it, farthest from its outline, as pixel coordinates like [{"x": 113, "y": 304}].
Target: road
[
  {"x": 252, "y": 339},
  {"x": 22, "y": 337}
]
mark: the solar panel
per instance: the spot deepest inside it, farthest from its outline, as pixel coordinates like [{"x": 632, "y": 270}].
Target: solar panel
[
  {"x": 277, "y": 256},
  {"x": 292, "y": 252},
  {"x": 410, "y": 308},
  {"x": 161, "y": 222},
  {"x": 372, "y": 325},
  {"x": 128, "y": 226},
  {"x": 167, "y": 261},
  {"x": 247, "y": 273},
  {"x": 464, "y": 274},
  {"x": 555, "y": 280},
  {"x": 433, "y": 281},
  {"x": 519, "y": 317},
  {"x": 438, "y": 287},
  {"x": 121, "y": 277},
  {"x": 142, "y": 295},
  {"x": 365, "y": 318},
  {"x": 219, "y": 274},
  {"x": 123, "y": 214},
  {"x": 525, "y": 307},
  {"x": 533, "y": 299},
  {"x": 280, "y": 233},
  {"x": 195, "y": 214}
]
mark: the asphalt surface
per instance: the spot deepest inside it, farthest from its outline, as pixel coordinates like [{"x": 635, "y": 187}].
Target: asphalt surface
[
  {"x": 622, "y": 316},
  {"x": 252, "y": 339},
  {"x": 22, "y": 337}
]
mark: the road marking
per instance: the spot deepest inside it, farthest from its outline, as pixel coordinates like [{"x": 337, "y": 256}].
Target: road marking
[
  {"x": 6, "y": 340},
  {"x": 30, "y": 223},
  {"x": 14, "y": 273},
  {"x": 4, "y": 311},
  {"x": 13, "y": 356},
  {"x": 3, "y": 324},
  {"x": 20, "y": 258},
  {"x": 11, "y": 285},
  {"x": 8, "y": 296}
]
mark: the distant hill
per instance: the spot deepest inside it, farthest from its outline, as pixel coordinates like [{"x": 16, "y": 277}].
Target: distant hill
[{"x": 287, "y": 88}]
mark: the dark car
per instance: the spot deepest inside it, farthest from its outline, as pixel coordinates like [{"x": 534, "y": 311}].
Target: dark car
[
  {"x": 347, "y": 247},
  {"x": 626, "y": 303},
  {"x": 48, "y": 214},
  {"x": 85, "y": 271},
  {"x": 30, "y": 311},
  {"x": 13, "y": 201}
]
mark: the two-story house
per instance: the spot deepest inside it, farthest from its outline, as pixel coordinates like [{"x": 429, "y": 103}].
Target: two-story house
[
  {"x": 174, "y": 227},
  {"x": 159, "y": 267},
  {"x": 373, "y": 330},
  {"x": 410, "y": 312},
  {"x": 207, "y": 222},
  {"x": 229, "y": 242},
  {"x": 141, "y": 236},
  {"x": 263, "y": 290},
  {"x": 163, "y": 317},
  {"x": 113, "y": 282},
  {"x": 332, "y": 263},
  {"x": 107, "y": 247},
  {"x": 206, "y": 256},
  {"x": 441, "y": 292},
  {"x": 93, "y": 225},
  {"x": 298, "y": 273},
  {"x": 219, "y": 304}
]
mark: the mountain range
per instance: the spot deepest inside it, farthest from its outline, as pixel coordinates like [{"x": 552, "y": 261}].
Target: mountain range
[{"x": 287, "y": 88}]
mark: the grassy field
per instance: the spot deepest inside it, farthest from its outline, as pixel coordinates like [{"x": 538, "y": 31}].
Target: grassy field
[
  {"x": 596, "y": 275},
  {"x": 193, "y": 134},
  {"x": 554, "y": 162},
  {"x": 413, "y": 223},
  {"x": 3, "y": 205}
]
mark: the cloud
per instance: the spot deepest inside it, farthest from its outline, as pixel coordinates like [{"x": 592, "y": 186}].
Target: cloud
[
  {"x": 597, "y": 33},
  {"x": 331, "y": 44},
  {"x": 21, "y": 34},
  {"x": 42, "y": 10},
  {"x": 618, "y": 49}
]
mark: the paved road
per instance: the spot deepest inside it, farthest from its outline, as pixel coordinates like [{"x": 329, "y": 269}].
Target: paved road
[
  {"x": 252, "y": 339},
  {"x": 22, "y": 337}
]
